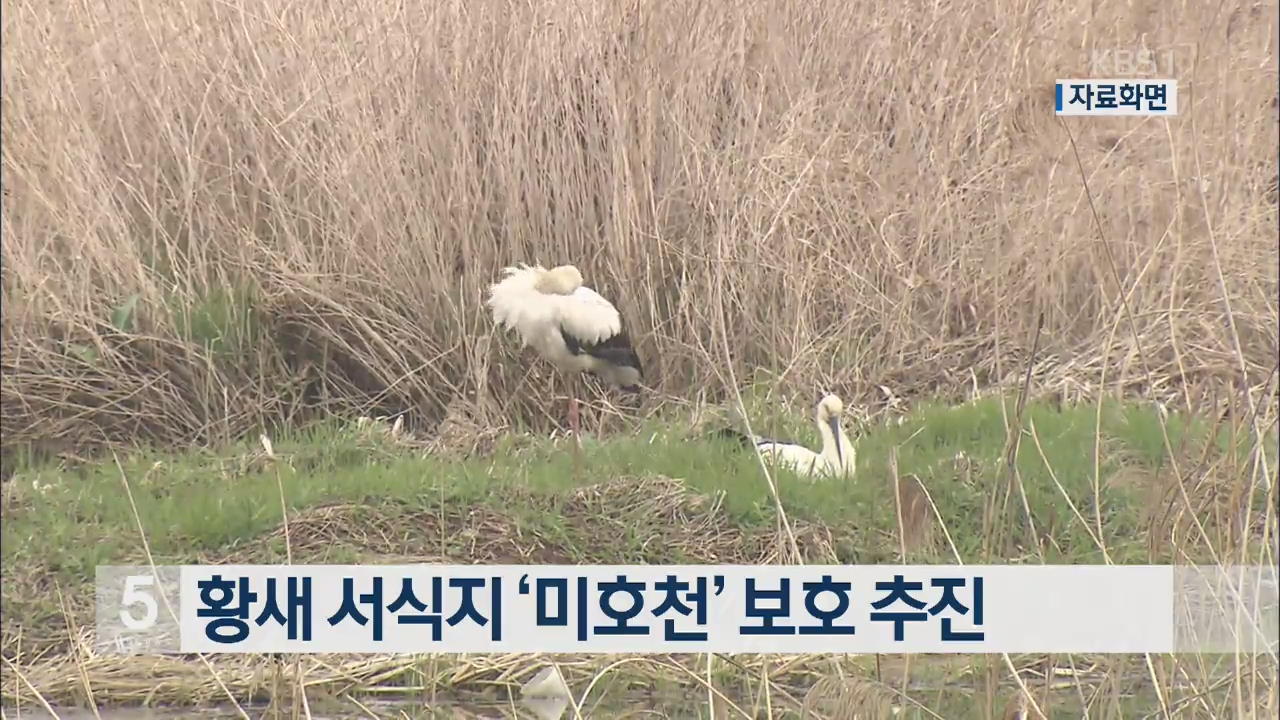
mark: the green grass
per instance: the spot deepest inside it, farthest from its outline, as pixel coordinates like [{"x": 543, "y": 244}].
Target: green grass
[
  {"x": 201, "y": 500},
  {"x": 59, "y": 522}
]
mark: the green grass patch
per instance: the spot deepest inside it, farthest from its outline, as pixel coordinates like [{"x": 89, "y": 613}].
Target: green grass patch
[
  {"x": 200, "y": 500},
  {"x": 390, "y": 499}
]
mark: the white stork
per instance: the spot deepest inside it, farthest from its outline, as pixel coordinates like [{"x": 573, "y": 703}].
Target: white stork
[
  {"x": 838, "y": 457},
  {"x": 567, "y": 323}
]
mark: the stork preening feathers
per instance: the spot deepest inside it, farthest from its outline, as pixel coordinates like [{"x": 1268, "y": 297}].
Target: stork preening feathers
[
  {"x": 838, "y": 457},
  {"x": 568, "y": 324}
]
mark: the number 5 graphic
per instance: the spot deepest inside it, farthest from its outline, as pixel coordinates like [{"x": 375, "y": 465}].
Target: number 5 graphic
[{"x": 134, "y": 595}]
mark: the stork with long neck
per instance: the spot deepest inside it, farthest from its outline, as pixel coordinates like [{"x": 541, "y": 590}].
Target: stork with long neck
[
  {"x": 838, "y": 457},
  {"x": 568, "y": 324}
]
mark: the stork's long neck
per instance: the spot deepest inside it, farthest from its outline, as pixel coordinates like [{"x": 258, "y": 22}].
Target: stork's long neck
[
  {"x": 850, "y": 456},
  {"x": 836, "y": 448}
]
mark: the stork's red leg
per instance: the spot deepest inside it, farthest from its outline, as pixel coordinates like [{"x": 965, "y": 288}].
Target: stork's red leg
[
  {"x": 573, "y": 415},
  {"x": 576, "y": 440}
]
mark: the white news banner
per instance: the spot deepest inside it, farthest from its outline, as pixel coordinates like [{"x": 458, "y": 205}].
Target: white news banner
[
  {"x": 686, "y": 608},
  {"x": 1110, "y": 97}
]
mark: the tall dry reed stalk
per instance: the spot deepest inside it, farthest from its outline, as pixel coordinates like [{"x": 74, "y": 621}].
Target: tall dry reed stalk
[{"x": 220, "y": 214}]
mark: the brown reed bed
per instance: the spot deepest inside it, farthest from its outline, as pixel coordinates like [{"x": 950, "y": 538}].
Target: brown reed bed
[{"x": 217, "y": 220}]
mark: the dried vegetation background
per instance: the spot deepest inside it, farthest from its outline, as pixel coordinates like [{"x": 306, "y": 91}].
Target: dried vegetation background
[{"x": 220, "y": 215}]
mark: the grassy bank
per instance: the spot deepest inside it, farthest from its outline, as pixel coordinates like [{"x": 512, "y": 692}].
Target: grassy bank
[{"x": 659, "y": 491}]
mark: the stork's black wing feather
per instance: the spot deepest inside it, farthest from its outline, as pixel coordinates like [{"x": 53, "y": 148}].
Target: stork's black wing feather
[
  {"x": 571, "y": 342},
  {"x": 615, "y": 350},
  {"x": 732, "y": 434},
  {"x": 745, "y": 440}
]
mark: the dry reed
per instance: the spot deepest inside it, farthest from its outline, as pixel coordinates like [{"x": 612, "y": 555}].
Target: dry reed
[{"x": 219, "y": 216}]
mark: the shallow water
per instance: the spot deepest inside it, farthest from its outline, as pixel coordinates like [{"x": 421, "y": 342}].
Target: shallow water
[
  {"x": 413, "y": 710},
  {"x": 105, "y": 714},
  {"x": 149, "y": 714},
  {"x": 387, "y": 709}
]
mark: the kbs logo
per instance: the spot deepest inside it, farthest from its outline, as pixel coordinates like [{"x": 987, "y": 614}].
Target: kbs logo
[{"x": 1138, "y": 61}]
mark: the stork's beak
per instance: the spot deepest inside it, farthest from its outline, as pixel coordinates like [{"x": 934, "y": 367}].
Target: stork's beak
[{"x": 834, "y": 424}]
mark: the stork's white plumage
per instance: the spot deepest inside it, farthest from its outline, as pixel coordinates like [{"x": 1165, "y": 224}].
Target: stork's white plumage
[
  {"x": 838, "y": 457},
  {"x": 566, "y": 322}
]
